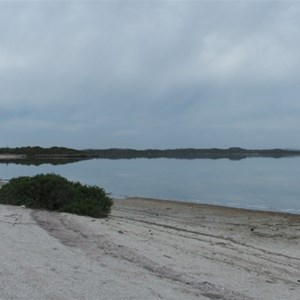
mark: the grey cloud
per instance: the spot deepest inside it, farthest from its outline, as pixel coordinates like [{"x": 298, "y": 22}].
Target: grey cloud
[{"x": 141, "y": 74}]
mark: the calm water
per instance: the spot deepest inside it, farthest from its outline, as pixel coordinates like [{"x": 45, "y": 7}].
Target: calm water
[{"x": 257, "y": 183}]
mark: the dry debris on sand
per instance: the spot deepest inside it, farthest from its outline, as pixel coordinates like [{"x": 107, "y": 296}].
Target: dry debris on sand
[{"x": 150, "y": 249}]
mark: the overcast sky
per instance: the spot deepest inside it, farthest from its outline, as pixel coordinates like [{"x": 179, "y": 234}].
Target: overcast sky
[{"x": 150, "y": 74}]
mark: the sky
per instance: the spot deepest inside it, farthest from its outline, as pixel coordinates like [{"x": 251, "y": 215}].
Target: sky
[{"x": 150, "y": 74}]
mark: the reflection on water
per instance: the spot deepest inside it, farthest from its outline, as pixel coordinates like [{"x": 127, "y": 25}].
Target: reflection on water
[{"x": 257, "y": 183}]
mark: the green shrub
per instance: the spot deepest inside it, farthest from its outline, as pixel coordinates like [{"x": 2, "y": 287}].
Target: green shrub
[{"x": 56, "y": 193}]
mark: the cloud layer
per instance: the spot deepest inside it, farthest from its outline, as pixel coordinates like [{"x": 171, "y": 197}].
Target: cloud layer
[{"x": 157, "y": 74}]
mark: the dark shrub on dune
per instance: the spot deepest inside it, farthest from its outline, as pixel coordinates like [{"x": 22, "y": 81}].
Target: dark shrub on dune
[{"x": 56, "y": 193}]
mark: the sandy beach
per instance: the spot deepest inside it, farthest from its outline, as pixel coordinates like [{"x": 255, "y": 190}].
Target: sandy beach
[
  {"x": 150, "y": 249},
  {"x": 11, "y": 156}
]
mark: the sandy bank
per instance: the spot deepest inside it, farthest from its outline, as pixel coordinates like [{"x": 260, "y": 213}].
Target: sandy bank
[
  {"x": 11, "y": 156},
  {"x": 150, "y": 249}
]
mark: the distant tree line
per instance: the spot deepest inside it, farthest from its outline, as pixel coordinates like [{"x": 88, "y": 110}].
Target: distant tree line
[
  {"x": 36, "y": 150},
  {"x": 59, "y": 155},
  {"x": 233, "y": 153}
]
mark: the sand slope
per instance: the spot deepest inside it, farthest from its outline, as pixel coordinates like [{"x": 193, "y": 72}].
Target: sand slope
[{"x": 150, "y": 249}]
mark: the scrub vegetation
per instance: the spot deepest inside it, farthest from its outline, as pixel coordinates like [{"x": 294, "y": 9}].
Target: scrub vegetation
[{"x": 55, "y": 193}]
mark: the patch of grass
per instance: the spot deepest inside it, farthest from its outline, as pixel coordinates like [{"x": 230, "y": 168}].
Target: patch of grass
[{"x": 55, "y": 193}]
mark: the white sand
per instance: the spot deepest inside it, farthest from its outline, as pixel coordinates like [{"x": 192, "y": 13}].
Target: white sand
[
  {"x": 149, "y": 249},
  {"x": 11, "y": 156}
]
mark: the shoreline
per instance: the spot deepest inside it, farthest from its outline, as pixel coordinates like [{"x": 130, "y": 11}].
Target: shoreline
[
  {"x": 253, "y": 254},
  {"x": 212, "y": 206},
  {"x": 150, "y": 249},
  {"x": 181, "y": 207}
]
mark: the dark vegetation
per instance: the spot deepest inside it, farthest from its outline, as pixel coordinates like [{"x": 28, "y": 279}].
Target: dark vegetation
[
  {"x": 61, "y": 155},
  {"x": 234, "y": 153},
  {"x": 41, "y": 152},
  {"x": 38, "y": 155},
  {"x": 55, "y": 193}
]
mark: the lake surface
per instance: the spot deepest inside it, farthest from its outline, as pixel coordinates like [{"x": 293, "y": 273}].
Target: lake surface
[{"x": 255, "y": 183}]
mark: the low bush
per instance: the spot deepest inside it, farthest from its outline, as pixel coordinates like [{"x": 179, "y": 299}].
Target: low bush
[{"x": 55, "y": 193}]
